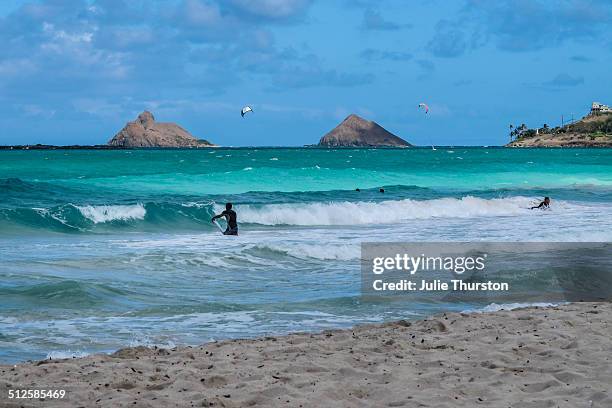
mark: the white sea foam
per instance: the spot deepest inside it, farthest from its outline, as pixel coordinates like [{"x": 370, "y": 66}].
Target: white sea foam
[
  {"x": 324, "y": 252},
  {"x": 105, "y": 213},
  {"x": 385, "y": 212},
  {"x": 58, "y": 355},
  {"x": 145, "y": 341},
  {"x": 198, "y": 204},
  {"x": 494, "y": 307},
  {"x": 45, "y": 212}
]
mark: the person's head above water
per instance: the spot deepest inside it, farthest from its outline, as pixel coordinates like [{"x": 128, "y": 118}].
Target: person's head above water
[
  {"x": 228, "y": 206},
  {"x": 547, "y": 200},
  {"x": 382, "y": 190}
]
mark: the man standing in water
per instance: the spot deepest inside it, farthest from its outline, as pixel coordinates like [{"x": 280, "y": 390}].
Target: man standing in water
[
  {"x": 543, "y": 205},
  {"x": 230, "y": 216}
]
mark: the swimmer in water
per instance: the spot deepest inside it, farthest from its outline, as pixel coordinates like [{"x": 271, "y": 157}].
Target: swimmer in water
[
  {"x": 230, "y": 216},
  {"x": 543, "y": 205}
]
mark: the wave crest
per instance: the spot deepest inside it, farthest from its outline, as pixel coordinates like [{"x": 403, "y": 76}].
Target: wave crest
[
  {"x": 106, "y": 213},
  {"x": 385, "y": 212},
  {"x": 326, "y": 252}
]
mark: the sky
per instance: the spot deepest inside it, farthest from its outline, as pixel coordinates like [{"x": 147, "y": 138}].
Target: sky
[{"x": 75, "y": 71}]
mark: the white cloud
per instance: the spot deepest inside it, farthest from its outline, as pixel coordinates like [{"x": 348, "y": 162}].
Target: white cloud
[
  {"x": 273, "y": 9},
  {"x": 98, "y": 107},
  {"x": 202, "y": 13},
  {"x": 33, "y": 110},
  {"x": 16, "y": 67}
]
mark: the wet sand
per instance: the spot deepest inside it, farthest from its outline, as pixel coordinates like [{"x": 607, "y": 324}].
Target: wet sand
[{"x": 534, "y": 357}]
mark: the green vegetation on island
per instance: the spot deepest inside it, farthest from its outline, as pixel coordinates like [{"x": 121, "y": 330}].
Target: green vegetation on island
[{"x": 593, "y": 130}]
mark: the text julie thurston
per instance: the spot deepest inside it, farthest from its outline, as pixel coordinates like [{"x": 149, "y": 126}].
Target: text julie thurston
[{"x": 413, "y": 264}]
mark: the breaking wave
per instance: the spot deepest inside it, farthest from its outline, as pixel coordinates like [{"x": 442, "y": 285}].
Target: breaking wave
[
  {"x": 359, "y": 213},
  {"x": 105, "y": 213},
  {"x": 327, "y": 252},
  {"x": 193, "y": 215}
]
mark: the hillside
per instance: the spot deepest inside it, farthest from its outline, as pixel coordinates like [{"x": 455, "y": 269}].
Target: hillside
[{"x": 590, "y": 131}]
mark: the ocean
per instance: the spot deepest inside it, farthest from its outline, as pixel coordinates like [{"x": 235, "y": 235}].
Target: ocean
[{"x": 106, "y": 249}]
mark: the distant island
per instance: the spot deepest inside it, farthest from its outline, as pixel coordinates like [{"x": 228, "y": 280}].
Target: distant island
[
  {"x": 142, "y": 133},
  {"x": 355, "y": 131},
  {"x": 146, "y": 132},
  {"x": 593, "y": 130}
]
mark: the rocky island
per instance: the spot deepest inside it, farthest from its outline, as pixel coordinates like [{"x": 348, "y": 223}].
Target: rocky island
[
  {"x": 593, "y": 130},
  {"x": 355, "y": 131},
  {"x": 146, "y": 132}
]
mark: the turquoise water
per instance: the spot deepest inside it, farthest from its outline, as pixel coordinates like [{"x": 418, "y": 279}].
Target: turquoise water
[{"x": 103, "y": 249}]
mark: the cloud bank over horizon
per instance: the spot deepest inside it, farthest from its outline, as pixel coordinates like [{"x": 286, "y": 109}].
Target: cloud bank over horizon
[{"x": 74, "y": 71}]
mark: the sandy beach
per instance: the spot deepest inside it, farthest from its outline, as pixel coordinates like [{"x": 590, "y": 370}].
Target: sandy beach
[{"x": 532, "y": 357}]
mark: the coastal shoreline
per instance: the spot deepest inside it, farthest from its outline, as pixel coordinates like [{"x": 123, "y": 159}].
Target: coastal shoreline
[
  {"x": 554, "y": 356},
  {"x": 563, "y": 141},
  {"x": 101, "y": 147},
  {"x": 310, "y": 147}
]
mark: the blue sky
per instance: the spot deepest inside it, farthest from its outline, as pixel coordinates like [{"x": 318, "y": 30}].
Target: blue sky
[{"x": 74, "y": 71}]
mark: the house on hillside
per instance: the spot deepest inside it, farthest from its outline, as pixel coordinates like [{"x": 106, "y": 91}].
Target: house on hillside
[{"x": 598, "y": 108}]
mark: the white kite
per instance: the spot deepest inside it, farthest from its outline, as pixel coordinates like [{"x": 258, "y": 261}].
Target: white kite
[
  {"x": 246, "y": 110},
  {"x": 425, "y": 107}
]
